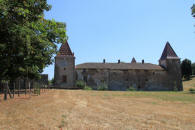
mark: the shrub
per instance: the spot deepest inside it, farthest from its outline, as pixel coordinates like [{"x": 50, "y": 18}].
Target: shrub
[
  {"x": 87, "y": 88},
  {"x": 80, "y": 84},
  {"x": 36, "y": 88},
  {"x": 102, "y": 87},
  {"x": 175, "y": 86},
  {"x": 52, "y": 81},
  {"x": 131, "y": 88},
  {"x": 192, "y": 90}
]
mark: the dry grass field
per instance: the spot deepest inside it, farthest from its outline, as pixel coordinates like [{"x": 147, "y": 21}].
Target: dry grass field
[{"x": 79, "y": 109}]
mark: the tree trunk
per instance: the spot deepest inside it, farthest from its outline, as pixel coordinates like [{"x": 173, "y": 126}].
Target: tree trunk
[
  {"x": 29, "y": 89},
  {"x": 14, "y": 89},
  {"x": 9, "y": 92},
  {"x": 25, "y": 83},
  {"x": 18, "y": 87},
  {"x": 5, "y": 91}
]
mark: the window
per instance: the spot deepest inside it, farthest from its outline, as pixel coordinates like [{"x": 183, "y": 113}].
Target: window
[
  {"x": 139, "y": 87},
  {"x": 64, "y": 78},
  {"x": 85, "y": 78}
]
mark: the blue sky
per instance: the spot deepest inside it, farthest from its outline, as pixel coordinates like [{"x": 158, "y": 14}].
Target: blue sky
[{"x": 122, "y": 29}]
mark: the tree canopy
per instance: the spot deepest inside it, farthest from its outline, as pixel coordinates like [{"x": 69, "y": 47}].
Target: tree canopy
[
  {"x": 28, "y": 40},
  {"x": 186, "y": 69},
  {"x": 193, "y": 10},
  {"x": 193, "y": 69}
]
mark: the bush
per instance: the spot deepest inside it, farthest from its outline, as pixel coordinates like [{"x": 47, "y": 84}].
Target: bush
[
  {"x": 175, "y": 87},
  {"x": 192, "y": 90},
  {"x": 51, "y": 82},
  {"x": 131, "y": 88},
  {"x": 80, "y": 84},
  {"x": 87, "y": 88},
  {"x": 102, "y": 87}
]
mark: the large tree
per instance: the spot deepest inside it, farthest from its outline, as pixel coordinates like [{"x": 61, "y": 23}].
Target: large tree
[
  {"x": 186, "y": 69},
  {"x": 27, "y": 39},
  {"x": 193, "y": 10},
  {"x": 193, "y": 69}
]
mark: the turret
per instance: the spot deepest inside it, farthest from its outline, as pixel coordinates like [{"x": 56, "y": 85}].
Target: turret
[
  {"x": 171, "y": 63},
  {"x": 64, "y": 67}
]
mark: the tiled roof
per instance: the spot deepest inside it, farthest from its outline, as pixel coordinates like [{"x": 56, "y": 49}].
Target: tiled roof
[
  {"x": 133, "y": 60},
  {"x": 168, "y": 52},
  {"x": 65, "y": 50},
  {"x": 120, "y": 66}
]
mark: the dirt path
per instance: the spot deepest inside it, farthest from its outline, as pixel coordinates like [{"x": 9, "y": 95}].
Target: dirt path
[{"x": 68, "y": 109}]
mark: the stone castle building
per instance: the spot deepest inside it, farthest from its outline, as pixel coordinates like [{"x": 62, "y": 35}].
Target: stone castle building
[
  {"x": 64, "y": 75},
  {"x": 120, "y": 76}
]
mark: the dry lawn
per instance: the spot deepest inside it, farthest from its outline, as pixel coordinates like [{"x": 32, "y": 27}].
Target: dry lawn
[{"x": 79, "y": 109}]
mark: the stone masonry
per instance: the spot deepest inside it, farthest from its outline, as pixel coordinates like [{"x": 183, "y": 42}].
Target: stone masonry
[{"x": 120, "y": 76}]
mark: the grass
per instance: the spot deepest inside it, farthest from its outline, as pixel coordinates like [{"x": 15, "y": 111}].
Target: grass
[
  {"x": 165, "y": 96},
  {"x": 189, "y": 84},
  {"x": 171, "y": 96},
  {"x": 80, "y": 109}
]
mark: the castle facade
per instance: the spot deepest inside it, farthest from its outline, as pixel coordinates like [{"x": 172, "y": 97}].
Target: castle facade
[{"x": 120, "y": 76}]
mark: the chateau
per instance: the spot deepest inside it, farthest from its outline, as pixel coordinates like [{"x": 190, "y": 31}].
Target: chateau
[{"x": 119, "y": 76}]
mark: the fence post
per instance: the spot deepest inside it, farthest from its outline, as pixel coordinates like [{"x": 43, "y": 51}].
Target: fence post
[
  {"x": 5, "y": 91},
  {"x": 18, "y": 88},
  {"x": 8, "y": 90},
  {"x": 25, "y": 83},
  {"x": 29, "y": 88},
  {"x": 14, "y": 89}
]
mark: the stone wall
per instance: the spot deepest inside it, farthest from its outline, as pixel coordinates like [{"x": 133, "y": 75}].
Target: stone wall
[
  {"x": 64, "y": 72},
  {"x": 149, "y": 80}
]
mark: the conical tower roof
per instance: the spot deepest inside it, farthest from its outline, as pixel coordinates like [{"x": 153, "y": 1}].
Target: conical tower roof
[
  {"x": 65, "y": 50},
  {"x": 133, "y": 60},
  {"x": 168, "y": 52}
]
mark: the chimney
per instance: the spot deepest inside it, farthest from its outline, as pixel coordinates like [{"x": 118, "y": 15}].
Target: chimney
[
  {"x": 104, "y": 61},
  {"x": 142, "y": 61},
  {"x": 119, "y": 61}
]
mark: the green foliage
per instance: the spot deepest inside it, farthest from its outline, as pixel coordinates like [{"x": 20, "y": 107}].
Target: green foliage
[
  {"x": 103, "y": 87},
  {"x": 193, "y": 69},
  {"x": 192, "y": 90},
  {"x": 131, "y": 88},
  {"x": 186, "y": 69},
  {"x": 193, "y": 10},
  {"x": 87, "y": 88},
  {"x": 51, "y": 82},
  {"x": 80, "y": 84},
  {"x": 175, "y": 87},
  {"x": 36, "y": 88},
  {"x": 27, "y": 42}
]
